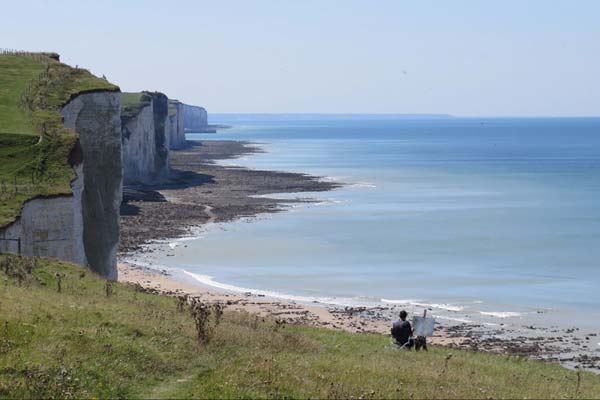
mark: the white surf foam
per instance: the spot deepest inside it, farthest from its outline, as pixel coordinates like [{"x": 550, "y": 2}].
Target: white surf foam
[
  {"x": 365, "y": 185},
  {"x": 333, "y": 178},
  {"x": 454, "y": 319},
  {"x": 501, "y": 314},
  {"x": 195, "y": 233},
  {"x": 447, "y": 307},
  {"x": 311, "y": 198},
  {"x": 209, "y": 281},
  {"x": 406, "y": 301},
  {"x": 327, "y": 202},
  {"x": 418, "y": 303}
]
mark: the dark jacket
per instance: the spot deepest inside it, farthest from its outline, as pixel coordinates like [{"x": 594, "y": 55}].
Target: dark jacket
[{"x": 401, "y": 331}]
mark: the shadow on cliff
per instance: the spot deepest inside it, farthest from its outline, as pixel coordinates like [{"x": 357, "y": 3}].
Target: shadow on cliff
[
  {"x": 131, "y": 194},
  {"x": 183, "y": 179}
]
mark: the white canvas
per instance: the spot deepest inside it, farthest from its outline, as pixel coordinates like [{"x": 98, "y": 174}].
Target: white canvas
[{"x": 423, "y": 326}]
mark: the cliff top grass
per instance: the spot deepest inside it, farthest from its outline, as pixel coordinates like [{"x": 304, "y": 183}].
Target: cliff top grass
[
  {"x": 132, "y": 103},
  {"x": 34, "y": 145},
  {"x": 17, "y": 73},
  {"x": 66, "y": 333}
]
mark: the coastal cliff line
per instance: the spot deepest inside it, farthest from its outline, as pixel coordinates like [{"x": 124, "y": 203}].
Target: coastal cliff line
[{"x": 70, "y": 141}]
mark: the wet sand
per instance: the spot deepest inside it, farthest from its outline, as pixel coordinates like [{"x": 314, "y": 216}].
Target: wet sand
[{"x": 202, "y": 191}]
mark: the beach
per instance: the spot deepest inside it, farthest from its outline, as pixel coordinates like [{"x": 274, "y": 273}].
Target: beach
[
  {"x": 567, "y": 347},
  {"x": 207, "y": 193}
]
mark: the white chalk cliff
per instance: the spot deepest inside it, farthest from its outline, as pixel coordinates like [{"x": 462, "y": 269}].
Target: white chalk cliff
[
  {"x": 195, "y": 118},
  {"x": 82, "y": 227},
  {"x": 176, "y": 125},
  {"x": 145, "y": 138}
]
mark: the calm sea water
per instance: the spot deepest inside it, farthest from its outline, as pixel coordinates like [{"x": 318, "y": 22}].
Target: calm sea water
[{"x": 478, "y": 218}]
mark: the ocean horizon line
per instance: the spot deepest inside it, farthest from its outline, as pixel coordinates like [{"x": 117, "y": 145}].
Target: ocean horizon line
[{"x": 384, "y": 116}]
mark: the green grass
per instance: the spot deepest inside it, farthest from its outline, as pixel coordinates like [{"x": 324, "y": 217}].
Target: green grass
[
  {"x": 35, "y": 146},
  {"x": 131, "y": 99},
  {"x": 81, "y": 343},
  {"x": 16, "y": 73},
  {"x": 132, "y": 103},
  {"x": 30, "y": 168}
]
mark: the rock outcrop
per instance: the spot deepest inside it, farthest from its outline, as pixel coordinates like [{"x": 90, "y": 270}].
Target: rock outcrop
[
  {"x": 96, "y": 118},
  {"x": 145, "y": 139},
  {"x": 176, "y": 125},
  {"x": 195, "y": 118}
]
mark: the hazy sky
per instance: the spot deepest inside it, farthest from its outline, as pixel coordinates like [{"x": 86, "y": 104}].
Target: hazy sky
[{"x": 482, "y": 57}]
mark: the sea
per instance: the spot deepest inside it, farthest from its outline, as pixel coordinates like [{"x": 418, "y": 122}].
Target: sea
[{"x": 482, "y": 220}]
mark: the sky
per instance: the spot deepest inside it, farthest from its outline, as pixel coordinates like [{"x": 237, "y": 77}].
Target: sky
[{"x": 466, "y": 58}]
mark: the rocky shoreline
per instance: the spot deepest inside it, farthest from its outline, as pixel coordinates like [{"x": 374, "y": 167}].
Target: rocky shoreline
[{"x": 203, "y": 191}]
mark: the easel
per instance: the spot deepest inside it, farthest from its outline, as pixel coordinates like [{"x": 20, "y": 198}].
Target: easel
[{"x": 421, "y": 341}]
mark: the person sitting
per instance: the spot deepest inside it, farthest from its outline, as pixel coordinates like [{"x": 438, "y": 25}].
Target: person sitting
[{"x": 402, "y": 332}]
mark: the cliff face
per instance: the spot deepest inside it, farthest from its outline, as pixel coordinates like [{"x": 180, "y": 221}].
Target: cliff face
[
  {"x": 195, "y": 118},
  {"x": 145, "y": 140},
  {"x": 50, "y": 227},
  {"x": 96, "y": 118},
  {"x": 82, "y": 227},
  {"x": 176, "y": 125}
]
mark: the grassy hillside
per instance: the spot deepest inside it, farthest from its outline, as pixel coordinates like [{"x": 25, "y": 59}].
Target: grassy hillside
[
  {"x": 17, "y": 72},
  {"x": 90, "y": 340},
  {"x": 34, "y": 146}
]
